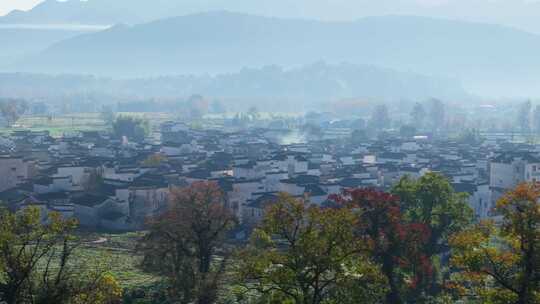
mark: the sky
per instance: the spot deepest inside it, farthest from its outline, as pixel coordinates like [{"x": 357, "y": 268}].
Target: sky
[{"x": 8, "y": 5}]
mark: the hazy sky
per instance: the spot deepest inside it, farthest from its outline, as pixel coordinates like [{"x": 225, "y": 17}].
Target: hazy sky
[{"x": 8, "y": 5}]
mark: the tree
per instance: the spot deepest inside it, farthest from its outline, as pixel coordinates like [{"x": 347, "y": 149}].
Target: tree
[
  {"x": 197, "y": 106},
  {"x": 217, "y": 107},
  {"x": 132, "y": 128},
  {"x": 12, "y": 109},
  {"x": 104, "y": 290},
  {"x": 38, "y": 263},
  {"x": 436, "y": 114},
  {"x": 154, "y": 160},
  {"x": 358, "y": 124},
  {"x": 108, "y": 115},
  {"x": 380, "y": 118},
  {"x": 524, "y": 117},
  {"x": 395, "y": 244},
  {"x": 431, "y": 201},
  {"x": 501, "y": 263},
  {"x": 183, "y": 242},
  {"x": 253, "y": 113},
  {"x": 308, "y": 255},
  {"x": 407, "y": 131},
  {"x": 536, "y": 119},
  {"x": 24, "y": 241},
  {"x": 418, "y": 115},
  {"x": 312, "y": 131},
  {"x": 359, "y": 136},
  {"x": 470, "y": 136}
]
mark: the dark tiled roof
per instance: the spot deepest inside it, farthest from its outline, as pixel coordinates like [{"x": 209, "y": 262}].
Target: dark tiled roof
[
  {"x": 199, "y": 174},
  {"x": 314, "y": 190},
  {"x": 263, "y": 201},
  {"x": 112, "y": 215},
  {"x": 12, "y": 196},
  {"x": 150, "y": 180},
  {"x": 47, "y": 197},
  {"x": 351, "y": 182},
  {"x": 508, "y": 157},
  {"x": 88, "y": 199},
  {"x": 464, "y": 187}
]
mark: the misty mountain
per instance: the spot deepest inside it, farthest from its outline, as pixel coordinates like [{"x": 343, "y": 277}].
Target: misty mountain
[
  {"x": 316, "y": 83},
  {"x": 488, "y": 59},
  {"x": 18, "y": 43},
  {"x": 517, "y": 13}
]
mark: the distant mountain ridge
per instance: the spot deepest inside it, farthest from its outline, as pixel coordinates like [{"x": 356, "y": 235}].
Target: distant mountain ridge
[
  {"x": 487, "y": 58},
  {"x": 522, "y": 14},
  {"x": 315, "y": 83},
  {"x": 18, "y": 43}
]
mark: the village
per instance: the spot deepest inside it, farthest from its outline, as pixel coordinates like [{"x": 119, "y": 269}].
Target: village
[{"x": 110, "y": 184}]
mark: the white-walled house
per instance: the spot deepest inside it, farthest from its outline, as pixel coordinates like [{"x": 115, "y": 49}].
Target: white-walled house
[
  {"x": 509, "y": 169},
  {"x": 14, "y": 171},
  {"x": 242, "y": 191},
  {"x": 479, "y": 198}
]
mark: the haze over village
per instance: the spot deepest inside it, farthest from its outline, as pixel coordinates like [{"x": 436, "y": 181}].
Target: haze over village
[{"x": 258, "y": 152}]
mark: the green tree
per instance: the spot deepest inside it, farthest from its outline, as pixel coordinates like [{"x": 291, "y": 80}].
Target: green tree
[
  {"x": 38, "y": 263},
  {"x": 359, "y": 136},
  {"x": 253, "y": 113},
  {"x": 132, "y": 128},
  {"x": 12, "y": 109},
  {"x": 183, "y": 243},
  {"x": 197, "y": 107},
  {"x": 418, "y": 116},
  {"x": 24, "y": 242},
  {"x": 108, "y": 115},
  {"x": 407, "y": 131},
  {"x": 536, "y": 119},
  {"x": 380, "y": 119},
  {"x": 501, "y": 263},
  {"x": 524, "y": 116},
  {"x": 431, "y": 201},
  {"x": 154, "y": 160},
  {"x": 470, "y": 136},
  {"x": 308, "y": 255},
  {"x": 437, "y": 115}
]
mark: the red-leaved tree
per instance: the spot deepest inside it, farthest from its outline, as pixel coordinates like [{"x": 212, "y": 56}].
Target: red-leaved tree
[{"x": 393, "y": 242}]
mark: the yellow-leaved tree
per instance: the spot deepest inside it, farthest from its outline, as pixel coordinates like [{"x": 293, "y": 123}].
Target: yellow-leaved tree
[{"x": 500, "y": 260}]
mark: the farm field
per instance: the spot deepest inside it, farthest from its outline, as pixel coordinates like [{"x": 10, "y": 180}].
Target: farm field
[
  {"x": 119, "y": 250},
  {"x": 65, "y": 124}
]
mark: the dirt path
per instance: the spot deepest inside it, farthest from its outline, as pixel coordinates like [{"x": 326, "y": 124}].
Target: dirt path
[{"x": 101, "y": 240}]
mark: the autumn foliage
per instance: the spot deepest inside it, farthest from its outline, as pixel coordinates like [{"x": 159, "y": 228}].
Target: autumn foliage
[
  {"x": 499, "y": 260},
  {"x": 183, "y": 242},
  {"x": 394, "y": 243}
]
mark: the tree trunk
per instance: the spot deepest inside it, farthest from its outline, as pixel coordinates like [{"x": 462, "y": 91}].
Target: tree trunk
[
  {"x": 9, "y": 297},
  {"x": 393, "y": 296}
]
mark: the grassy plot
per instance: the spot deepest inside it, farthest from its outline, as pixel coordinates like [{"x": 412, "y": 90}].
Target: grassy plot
[
  {"x": 59, "y": 125},
  {"x": 119, "y": 249}
]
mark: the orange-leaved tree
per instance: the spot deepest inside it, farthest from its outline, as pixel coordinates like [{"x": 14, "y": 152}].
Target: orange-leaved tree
[
  {"x": 186, "y": 243},
  {"x": 500, "y": 260}
]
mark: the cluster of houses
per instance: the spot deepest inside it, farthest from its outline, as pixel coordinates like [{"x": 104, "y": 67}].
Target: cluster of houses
[{"x": 116, "y": 185}]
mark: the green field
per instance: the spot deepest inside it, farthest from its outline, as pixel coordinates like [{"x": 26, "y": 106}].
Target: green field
[
  {"x": 59, "y": 125},
  {"x": 119, "y": 249}
]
